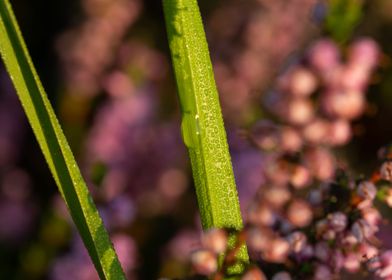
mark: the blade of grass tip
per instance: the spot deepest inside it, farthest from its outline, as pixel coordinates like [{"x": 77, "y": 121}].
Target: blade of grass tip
[
  {"x": 202, "y": 124},
  {"x": 55, "y": 147}
]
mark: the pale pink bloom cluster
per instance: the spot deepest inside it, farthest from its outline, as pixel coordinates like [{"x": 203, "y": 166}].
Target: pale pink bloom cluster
[
  {"x": 248, "y": 49},
  {"x": 310, "y": 217},
  {"x": 317, "y": 99},
  {"x": 89, "y": 49},
  {"x": 329, "y": 230}
]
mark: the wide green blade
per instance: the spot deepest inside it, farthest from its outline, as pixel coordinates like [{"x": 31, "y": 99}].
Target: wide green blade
[{"x": 202, "y": 124}]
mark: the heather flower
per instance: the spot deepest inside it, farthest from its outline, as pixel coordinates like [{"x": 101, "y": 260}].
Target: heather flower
[
  {"x": 367, "y": 190},
  {"x": 88, "y": 50},
  {"x": 277, "y": 196},
  {"x": 299, "y": 213},
  {"x": 302, "y": 82},
  {"x": 253, "y": 274},
  {"x": 364, "y": 52},
  {"x": 204, "y": 262},
  {"x": 386, "y": 171},
  {"x": 324, "y": 55},
  {"x": 261, "y": 214},
  {"x": 337, "y": 221},
  {"x": 258, "y": 239},
  {"x": 354, "y": 77},
  {"x": 300, "y": 177},
  {"x": 277, "y": 250},
  {"x": 215, "y": 240},
  {"x": 316, "y": 132},
  {"x": 362, "y": 230},
  {"x": 339, "y": 132},
  {"x": 385, "y": 269},
  {"x": 290, "y": 140},
  {"x": 299, "y": 111},
  {"x": 351, "y": 262},
  {"x": 344, "y": 104},
  {"x": 321, "y": 163},
  {"x": 298, "y": 241}
]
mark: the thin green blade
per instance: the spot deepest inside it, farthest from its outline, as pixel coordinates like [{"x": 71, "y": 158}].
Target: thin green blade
[{"x": 55, "y": 147}]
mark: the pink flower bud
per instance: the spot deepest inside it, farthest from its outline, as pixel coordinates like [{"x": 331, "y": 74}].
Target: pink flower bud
[
  {"x": 321, "y": 163},
  {"x": 354, "y": 77},
  {"x": 261, "y": 215},
  {"x": 299, "y": 111},
  {"x": 277, "y": 251},
  {"x": 386, "y": 171},
  {"x": 277, "y": 196},
  {"x": 324, "y": 55},
  {"x": 258, "y": 239},
  {"x": 349, "y": 240},
  {"x": 254, "y": 274},
  {"x": 367, "y": 190},
  {"x": 277, "y": 173},
  {"x": 386, "y": 265},
  {"x": 301, "y": 177},
  {"x": 344, "y": 104},
  {"x": 364, "y": 52},
  {"x": 204, "y": 262},
  {"x": 368, "y": 251},
  {"x": 337, "y": 221},
  {"x": 352, "y": 262},
  {"x": 339, "y": 132},
  {"x": 290, "y": 140},
  {"x": 371, "y": 215},
  {"x": 302, "y": 82},
  {"x": 215, "y": 240},
  {"x": 297, "y": 241},
  {"x": 299, "y": 213},
  {"x": 316, "y": 132},
  {"x": 362, "y": 230}
]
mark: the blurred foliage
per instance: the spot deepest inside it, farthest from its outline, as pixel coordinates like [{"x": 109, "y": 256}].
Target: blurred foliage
[{"x": 342, "y": 18}]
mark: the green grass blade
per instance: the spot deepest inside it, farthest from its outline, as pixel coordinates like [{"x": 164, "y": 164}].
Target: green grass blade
[
  {"x": 202, "y": 124},
  {"x": 55, "y": 147}
]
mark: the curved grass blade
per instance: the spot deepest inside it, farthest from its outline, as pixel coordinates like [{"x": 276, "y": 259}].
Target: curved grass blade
[
  {"x": 55, "y": 147},
  {"x": 202, "y": 124}
]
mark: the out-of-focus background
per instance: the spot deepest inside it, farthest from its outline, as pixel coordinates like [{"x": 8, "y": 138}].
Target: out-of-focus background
[{"x": 105, "y": 65}]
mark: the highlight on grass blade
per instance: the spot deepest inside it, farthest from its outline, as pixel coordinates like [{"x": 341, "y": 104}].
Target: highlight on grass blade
[
  {"x": 55, "y": 147},
  {"x": 202, "y": 124}
]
